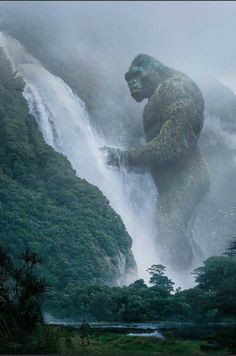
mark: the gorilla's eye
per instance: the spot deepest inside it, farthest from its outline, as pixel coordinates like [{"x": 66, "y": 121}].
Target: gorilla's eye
[{"x": 134, "y": 72}]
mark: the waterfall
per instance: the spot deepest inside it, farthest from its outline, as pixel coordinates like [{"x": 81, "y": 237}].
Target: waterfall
[{"x": 65, "y": 126}]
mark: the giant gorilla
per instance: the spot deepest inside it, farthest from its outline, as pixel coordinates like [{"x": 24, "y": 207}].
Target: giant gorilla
[{"x": 173, "y": 120}]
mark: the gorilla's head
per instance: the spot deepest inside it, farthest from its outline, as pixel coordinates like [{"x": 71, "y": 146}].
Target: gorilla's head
[{"x": 143, "y": 76}]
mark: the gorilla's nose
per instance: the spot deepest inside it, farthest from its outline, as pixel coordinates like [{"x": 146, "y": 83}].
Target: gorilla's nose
[{"x": 133, "y": 82}]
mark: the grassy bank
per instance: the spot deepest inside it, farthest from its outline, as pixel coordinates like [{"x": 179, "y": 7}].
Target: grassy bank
[{"x": 66, "y": 341}]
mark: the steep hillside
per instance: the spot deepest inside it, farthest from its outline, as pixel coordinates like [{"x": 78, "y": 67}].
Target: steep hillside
[{"x": 45, "y": 206}]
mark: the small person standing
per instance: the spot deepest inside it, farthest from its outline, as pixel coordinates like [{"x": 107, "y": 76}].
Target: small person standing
[{"x": 85, "y": 329}]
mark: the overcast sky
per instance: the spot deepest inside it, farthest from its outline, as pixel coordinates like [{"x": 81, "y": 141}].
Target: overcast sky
[{"x": 187, "y": 35}]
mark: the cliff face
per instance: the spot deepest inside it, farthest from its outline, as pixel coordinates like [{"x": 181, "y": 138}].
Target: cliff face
[{"x": 45, "y": 206}]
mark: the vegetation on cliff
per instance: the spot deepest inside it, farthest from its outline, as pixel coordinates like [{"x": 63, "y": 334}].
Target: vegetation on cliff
[
  {"x": 44, "y": 206},
  {"x": 213, "y": 299}
]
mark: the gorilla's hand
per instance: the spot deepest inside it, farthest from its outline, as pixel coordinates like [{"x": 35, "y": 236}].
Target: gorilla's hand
[{"x": 112, "y": 156}]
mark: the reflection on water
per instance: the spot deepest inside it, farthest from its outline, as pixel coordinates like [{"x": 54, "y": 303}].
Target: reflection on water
[
  {"x": 153, "y": 334},
  {"x": 162, "y": 329},
  {"x": 164, "y": 325},
  {"x": 138, "y": 326}
]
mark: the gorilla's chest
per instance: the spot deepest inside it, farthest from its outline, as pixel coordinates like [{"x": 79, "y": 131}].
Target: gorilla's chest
[{"x": 153, "y": 117}]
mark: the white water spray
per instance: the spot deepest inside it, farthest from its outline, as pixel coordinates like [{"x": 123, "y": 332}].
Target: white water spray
[{"x": 65, "y": 126}]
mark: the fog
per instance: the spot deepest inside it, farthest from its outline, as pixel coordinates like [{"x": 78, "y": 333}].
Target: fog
[
  {"x": 191, "y": 36},
  {"x": 195, "y": 37}
]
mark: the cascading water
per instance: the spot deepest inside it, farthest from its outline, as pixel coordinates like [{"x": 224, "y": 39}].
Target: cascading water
[{"x": 65, "y": 126}]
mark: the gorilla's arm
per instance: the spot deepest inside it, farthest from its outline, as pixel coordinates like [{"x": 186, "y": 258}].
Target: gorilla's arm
[{"x": 177, "y": 137}]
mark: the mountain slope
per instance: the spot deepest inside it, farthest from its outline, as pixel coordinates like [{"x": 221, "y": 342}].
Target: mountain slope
[{"x": 45, "y": 206}]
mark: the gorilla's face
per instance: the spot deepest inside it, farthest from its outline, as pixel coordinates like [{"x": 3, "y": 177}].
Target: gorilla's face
[{"x": 137, "y": 80}]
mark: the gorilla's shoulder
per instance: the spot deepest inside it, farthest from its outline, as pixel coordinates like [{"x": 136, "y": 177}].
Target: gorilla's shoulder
[{"x": 177, "y": 85}]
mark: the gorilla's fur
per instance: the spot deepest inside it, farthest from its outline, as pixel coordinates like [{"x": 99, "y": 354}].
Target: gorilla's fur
[{"x": 173, "y": 120}]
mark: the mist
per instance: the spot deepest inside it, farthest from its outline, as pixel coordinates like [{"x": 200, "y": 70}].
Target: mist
[
  {"x": 191, "y": 36},
  {"x": 194, "y": 37}
]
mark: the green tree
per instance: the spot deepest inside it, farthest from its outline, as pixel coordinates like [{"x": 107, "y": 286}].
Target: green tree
[
  {"x": 158, "y": 279},
  {"x": 217, "y": 279},
  {"x": 139, "y": 284},
  {"x": 21, "y": 291}
]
